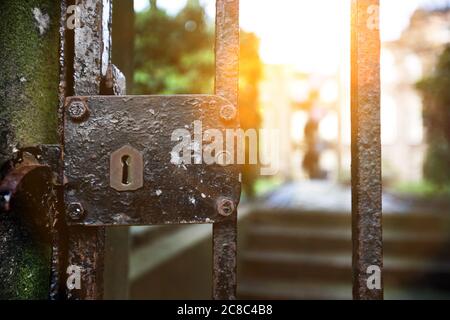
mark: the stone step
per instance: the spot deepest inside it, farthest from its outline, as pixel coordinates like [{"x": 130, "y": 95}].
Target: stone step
[
  {"x": 418, "y": 222},
  {"x": 282, "y": 248},
  {"x": 330, "y": 239},
  {"x": 336, "y": 267},
  {"x": 255, "y": 289}
]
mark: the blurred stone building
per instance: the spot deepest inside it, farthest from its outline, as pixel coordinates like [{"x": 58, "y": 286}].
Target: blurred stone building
[
  {"x": 288, "y": 98},
  {"x": 404, "y": 62}
]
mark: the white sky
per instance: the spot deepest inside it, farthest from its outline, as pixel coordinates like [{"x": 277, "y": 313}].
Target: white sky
[{"x": 305, "y": 33}]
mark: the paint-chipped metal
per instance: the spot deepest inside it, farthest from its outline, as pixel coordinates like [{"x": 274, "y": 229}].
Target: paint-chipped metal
[
  {"x": 115, "y": 81},
  {"x": 366, "y": 147},
  {"x": 226, "y": 85},
  {"x": 91, "y": 58},
  {"x": 31, "y": 187},
  {"x": 122, "y": 126}
]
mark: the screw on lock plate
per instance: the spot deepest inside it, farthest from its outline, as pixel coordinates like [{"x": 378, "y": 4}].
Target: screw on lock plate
[
  {"x": 75, "y": 211},
  {"x": 225, "y": 206},
  {"x": 77, "y": 110}
]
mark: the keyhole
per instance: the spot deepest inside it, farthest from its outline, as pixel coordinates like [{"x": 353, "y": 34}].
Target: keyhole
[{"x": 126, "y": 170}]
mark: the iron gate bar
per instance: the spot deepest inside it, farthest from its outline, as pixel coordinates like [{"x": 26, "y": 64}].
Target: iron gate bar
[
  {"x": 226, "y": 85},
  {"x": 92, "y": 41},
  {"x": 58, "y": 262},
  {"x": 366, "y": 147}
]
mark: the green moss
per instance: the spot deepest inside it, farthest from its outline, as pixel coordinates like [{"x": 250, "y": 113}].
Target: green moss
[
  {"x": 32, "y": 278},
  {"x": 25, "y": 259},
  {"x": 30, "y": 72}
]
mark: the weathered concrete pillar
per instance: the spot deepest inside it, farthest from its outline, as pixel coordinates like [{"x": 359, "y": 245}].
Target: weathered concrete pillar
[{"x": 29, "y": 76}]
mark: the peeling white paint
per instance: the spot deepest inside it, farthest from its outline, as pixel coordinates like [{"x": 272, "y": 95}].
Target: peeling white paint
[
  {"x": 106, "y": 34},
  {"x": 42, "y": 20}
]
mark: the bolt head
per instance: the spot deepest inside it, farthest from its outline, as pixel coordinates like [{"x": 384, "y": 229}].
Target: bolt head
[
  {"x": 225, "y": 207},
  {"x": 75, "y": 211},
  {"x": 78, "y": 110},
  {"x": 228, "y": 112}
]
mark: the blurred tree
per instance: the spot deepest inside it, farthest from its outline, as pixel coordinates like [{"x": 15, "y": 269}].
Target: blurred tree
[
  {"x": 175, "y": 55},
  {"x": 436, "y": 100},
  {"x": 250, "y": 73}
]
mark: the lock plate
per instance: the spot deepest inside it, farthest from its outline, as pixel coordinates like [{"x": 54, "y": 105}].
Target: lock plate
[{"x": 123, "y": 167}]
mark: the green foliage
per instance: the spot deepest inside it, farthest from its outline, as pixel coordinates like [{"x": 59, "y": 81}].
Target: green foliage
[
  {"x": 174, "y": 54},
  {"x": 436, "y": 99},
  {"x": 250, "y": 70},
  {"x": 423, "y": 189}
]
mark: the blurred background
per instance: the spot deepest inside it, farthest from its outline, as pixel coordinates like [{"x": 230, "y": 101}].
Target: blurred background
[{"x": 294, "y": 226}]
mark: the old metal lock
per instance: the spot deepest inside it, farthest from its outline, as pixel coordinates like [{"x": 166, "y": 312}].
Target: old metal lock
[{"x": 119, "y": 166}]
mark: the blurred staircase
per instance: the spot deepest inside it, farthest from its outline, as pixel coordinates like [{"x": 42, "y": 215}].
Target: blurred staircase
[{"x": 289, "y": 253}]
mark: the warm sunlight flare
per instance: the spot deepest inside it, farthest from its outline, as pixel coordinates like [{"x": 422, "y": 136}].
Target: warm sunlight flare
[
  {"x": 305, "y": 34},
  {"x": 236, "y": 150}
]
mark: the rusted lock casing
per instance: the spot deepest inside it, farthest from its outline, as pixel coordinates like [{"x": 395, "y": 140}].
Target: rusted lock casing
[{"x": 123, "y": 164}]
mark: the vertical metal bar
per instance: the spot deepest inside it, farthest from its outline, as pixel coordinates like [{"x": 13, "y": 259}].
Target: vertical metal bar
[
  {"x": 86, "y": 250},
  {"x": 224, "y": 259},
  {"x": 227, "y": 49},
  {"x": 92, "y": 46},
  {"x": 91, "y": 59},
  {"x": 226, "y": 85},
  {"x": 57, "y": 274},
  {"x": 366, "y": 149},
  {"x": 117, "y": 242}
]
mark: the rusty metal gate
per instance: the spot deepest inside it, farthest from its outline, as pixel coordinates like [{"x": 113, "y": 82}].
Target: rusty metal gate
[
  {"x": 114, "y": 165},
  {"x": 101, "y": 132}
]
